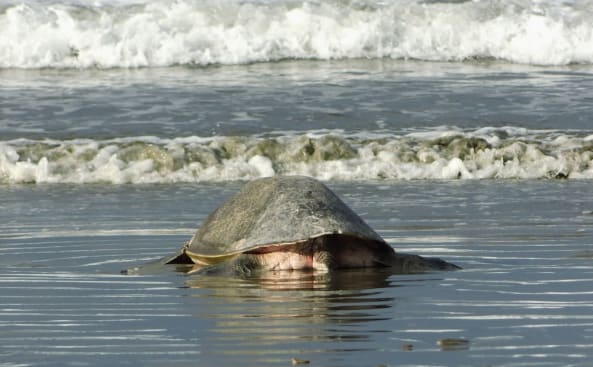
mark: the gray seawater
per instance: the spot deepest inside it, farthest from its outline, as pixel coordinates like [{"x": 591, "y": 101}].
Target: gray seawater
[
  {"x": 524, "y": 297},
  {"x": 353, "y": 96}
]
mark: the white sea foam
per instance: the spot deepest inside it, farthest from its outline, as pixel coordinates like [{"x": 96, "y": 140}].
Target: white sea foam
[
  {"x": 82, "y": 34},
  {"x": 492, "y": 153}
]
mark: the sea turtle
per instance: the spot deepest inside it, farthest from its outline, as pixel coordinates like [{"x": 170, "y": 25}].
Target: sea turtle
[{"x": 291, "y": 223}]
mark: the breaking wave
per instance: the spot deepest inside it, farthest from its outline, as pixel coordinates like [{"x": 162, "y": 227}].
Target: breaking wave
[
  {"x": 488, "y": 153},
  {"x": 110, "y": 33}
]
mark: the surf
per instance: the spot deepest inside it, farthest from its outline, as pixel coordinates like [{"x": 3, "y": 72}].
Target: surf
[
  {"x": 445, "y": 153},
  {"x": 132, "y": 34}
]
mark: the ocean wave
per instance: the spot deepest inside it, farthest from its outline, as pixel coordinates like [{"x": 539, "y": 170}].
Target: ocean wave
[
  {"x": 441, "y": 154},
  {"x": 85, "y": 34}
]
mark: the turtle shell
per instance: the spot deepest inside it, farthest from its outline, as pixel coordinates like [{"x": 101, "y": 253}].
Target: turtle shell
[{"x": 274, "y": 211}]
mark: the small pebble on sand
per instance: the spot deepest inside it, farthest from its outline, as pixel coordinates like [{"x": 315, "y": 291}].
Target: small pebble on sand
[
  {"x": 407, "y": 347},
  {"x": 296, "y": 361},
  {"x": 453, "y": 344}
]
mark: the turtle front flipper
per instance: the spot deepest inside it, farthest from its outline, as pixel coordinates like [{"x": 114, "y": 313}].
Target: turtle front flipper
[
  {"x": 411, "y": 264},
  {"x": 180, "y": 259}
]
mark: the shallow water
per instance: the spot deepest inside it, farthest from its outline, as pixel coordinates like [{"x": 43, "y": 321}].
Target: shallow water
[
  {"x": 353, "y": 96},
  {"x": 522, "y": 299}
]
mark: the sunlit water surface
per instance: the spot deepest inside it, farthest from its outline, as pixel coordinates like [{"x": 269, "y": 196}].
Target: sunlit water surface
[{"x": 524, "y": 298}]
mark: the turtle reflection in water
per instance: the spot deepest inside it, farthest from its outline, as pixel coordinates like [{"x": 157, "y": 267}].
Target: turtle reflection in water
[{"x": 291, "y": 223}]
